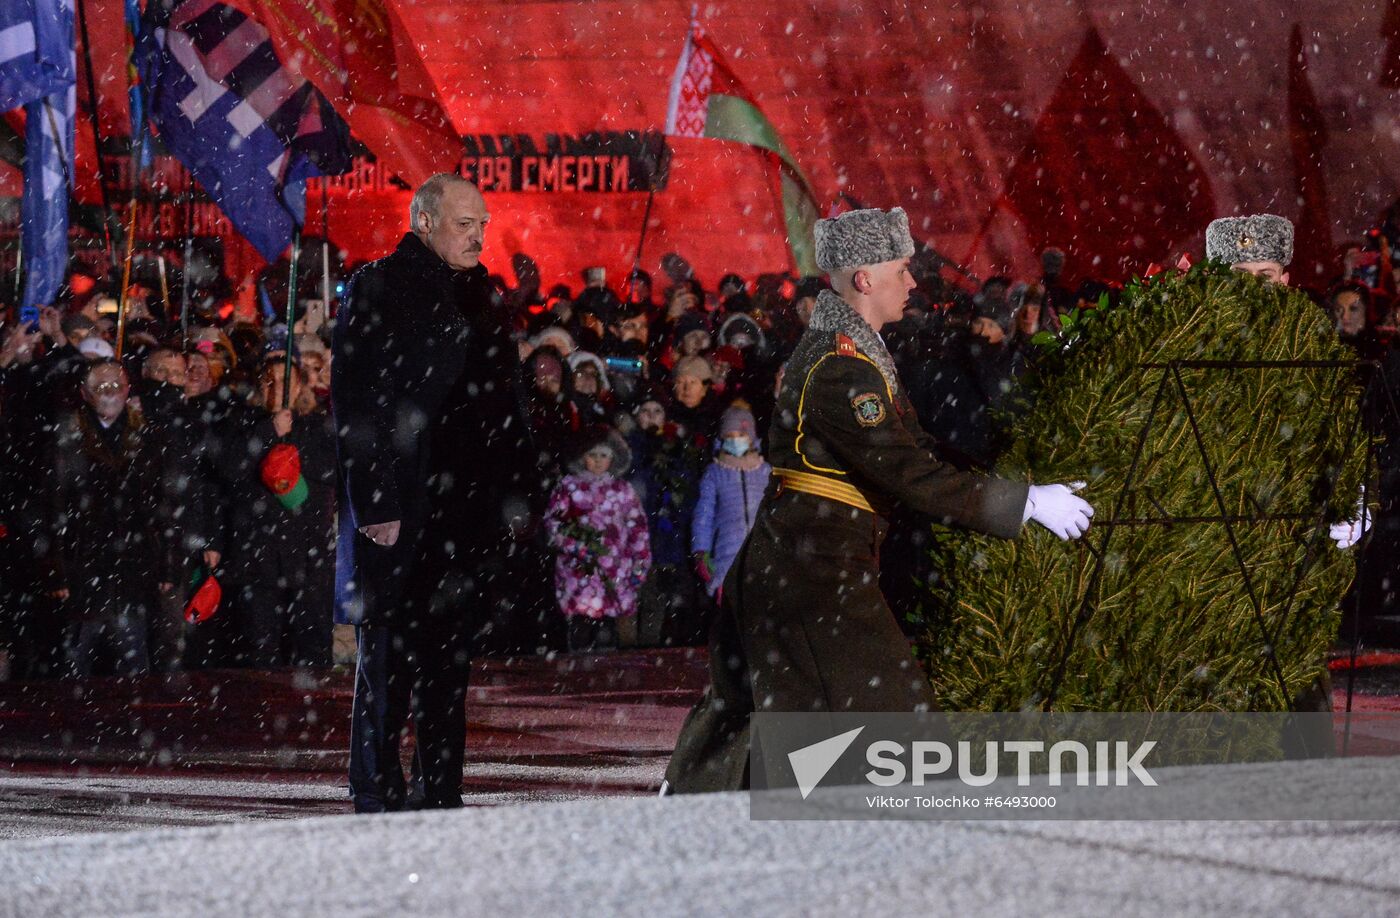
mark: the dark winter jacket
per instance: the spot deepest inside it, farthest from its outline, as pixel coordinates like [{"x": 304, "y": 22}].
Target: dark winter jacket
[
  {"x": 107, "y": 506},
  {"x": 179, "y": 432},
  {"x": 666, "y": 472},
  {"x": 254, "y": 521},
  {"x": 960, "y": 396},
  {"x": 431, "y": 429}
]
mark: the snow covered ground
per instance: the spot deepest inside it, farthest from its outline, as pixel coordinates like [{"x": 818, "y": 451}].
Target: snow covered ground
[
  {"x": 40, "y": 803},
  {"x": 704, "y": 856}
]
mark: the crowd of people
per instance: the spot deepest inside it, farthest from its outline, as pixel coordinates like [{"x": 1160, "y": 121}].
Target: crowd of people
[{"x": 168, "y": 495}]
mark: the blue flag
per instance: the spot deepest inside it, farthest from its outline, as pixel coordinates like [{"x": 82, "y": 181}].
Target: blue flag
[
  {"x": 38, "y": 69},
  {"x": 36, "y": 50},
  {"x": 249, "y": 130},
  {"x": 142, "y": 147}
]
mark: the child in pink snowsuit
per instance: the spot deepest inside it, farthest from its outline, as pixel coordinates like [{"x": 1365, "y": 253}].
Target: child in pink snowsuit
[{"x": 596, "y": 523}]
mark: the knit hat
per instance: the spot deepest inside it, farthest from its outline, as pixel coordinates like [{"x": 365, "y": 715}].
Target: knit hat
[
  {"x": 281, "y": 472},
  {"x": 863, "y": 237},
  {"x": 998, "y": 309},
  {"x": 739, "y": 417},
  {"x": 698, "y": 367},
  {"x": 689, "y": 322},
  {"x": 728, "y": 355},
  {"x": 94, "y": 348},
  {"x": 557, "y": 338},
  {"x": 277, "y": 340},
  {"x": 1239, "y": 240}
]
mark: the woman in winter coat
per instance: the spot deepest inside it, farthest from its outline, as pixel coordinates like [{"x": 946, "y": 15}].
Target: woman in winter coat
[
  {"x": 730, "y": 492},
  {"x": 597, "y": 525},
  {"x": 667, "y": 468},
  {"x": 104, "y": 549},
  {"x": 554, "y": 419},
  {"x": 590, "y": 388}
]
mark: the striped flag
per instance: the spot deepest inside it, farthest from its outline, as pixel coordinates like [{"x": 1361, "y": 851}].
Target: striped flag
[
  {"x": 707, "y": 100},
  {"x": 248, "y": 129},
  {"x": 142, "y": 146},
  {"x": 38, "y": 69},
  {"x": 36, "y": 50},
  {"x": 361, "y": 57}
]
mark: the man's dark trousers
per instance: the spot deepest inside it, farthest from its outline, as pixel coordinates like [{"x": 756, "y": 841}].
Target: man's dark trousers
[{"x": 420, "y": 666}]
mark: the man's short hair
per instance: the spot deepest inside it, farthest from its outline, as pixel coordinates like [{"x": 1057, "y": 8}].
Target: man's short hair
[
  {"x": 76, "y": 322},
  {"x": 160, "y": 353},
  {"x": 96, "y": 365},
  {"x": 428, "y": 197}
]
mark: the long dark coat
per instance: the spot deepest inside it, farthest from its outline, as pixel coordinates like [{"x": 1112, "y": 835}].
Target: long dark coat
[
  {"x": 802, "y": 625},
  {"x": 430, "y": 429},
  {"x": 108, "y": 503}
]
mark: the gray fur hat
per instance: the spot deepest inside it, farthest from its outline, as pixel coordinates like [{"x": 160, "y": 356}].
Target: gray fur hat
[
  {"x": 863, "y": 237},
  {"x": 1261, "y": 237}
]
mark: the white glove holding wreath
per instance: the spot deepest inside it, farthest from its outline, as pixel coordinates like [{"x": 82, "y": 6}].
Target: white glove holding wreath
[{"x": 1058, "y": 509}]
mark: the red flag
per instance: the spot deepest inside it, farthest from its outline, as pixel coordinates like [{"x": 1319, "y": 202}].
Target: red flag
[
  {"x": 1104, "y": 176},
  {"x": 358, "y": 54},
  {"x": 1307, "y": 135},
  {"x": 1390, "y": 31}
]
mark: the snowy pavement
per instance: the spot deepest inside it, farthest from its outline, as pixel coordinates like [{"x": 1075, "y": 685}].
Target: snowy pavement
[
  {"x": 192, "y": 811},
  {"x": 216, "y": 747},
  {"x": 703, "y": 856}
]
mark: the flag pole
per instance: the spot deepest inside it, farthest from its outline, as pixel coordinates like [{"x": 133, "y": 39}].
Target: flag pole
[
  {"x": 660, "y": 154},
  {"x": 126, "y": 278},
  {"x": 291, "y": 315},
  {"x": 325, "y": 245},
  {"x": 646, "y": 219},
  {"x": 184, "y": 288},
  {"x": 164, "y": 286},
  {"x": 188, "y": 255},
  {"x": 97, "y": 135}
]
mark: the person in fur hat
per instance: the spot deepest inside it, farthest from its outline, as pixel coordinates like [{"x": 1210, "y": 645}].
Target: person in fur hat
[
  {"x": 1261, "y": 245},
  {"x": 802, "y": 625},
  {"x": 596, "y": 524},
  {"x": 730, "y": 492}
]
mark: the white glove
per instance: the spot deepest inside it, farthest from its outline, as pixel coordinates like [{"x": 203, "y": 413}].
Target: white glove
[
  {"x": 1057, "y": 509},
  {"x": 1348, "y": 534}
]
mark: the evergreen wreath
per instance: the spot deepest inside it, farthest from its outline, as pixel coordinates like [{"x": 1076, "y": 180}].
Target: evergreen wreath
[{"x": 1169, "y": 625}]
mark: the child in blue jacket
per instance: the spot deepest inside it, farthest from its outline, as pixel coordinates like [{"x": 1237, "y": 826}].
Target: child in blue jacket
[{"x": 730, "y": 491}]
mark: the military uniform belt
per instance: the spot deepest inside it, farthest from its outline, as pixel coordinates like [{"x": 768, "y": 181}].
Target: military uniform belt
[{"x": 822, "y": 486}]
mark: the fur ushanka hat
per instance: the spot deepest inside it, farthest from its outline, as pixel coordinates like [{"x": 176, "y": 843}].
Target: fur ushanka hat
[
  {"x": 1240, "y": 240},
  {"x": 863, "y": 237}
]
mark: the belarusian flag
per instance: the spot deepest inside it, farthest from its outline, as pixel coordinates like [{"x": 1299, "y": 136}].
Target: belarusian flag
[{"x": 707, "y": 100}]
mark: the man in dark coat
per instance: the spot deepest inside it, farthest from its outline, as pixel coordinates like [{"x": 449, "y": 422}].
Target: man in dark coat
[
  {"x": 802, "y": 625},
  {"x": 277, "y": 563},
  {"x": 429, "y": 432}
]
